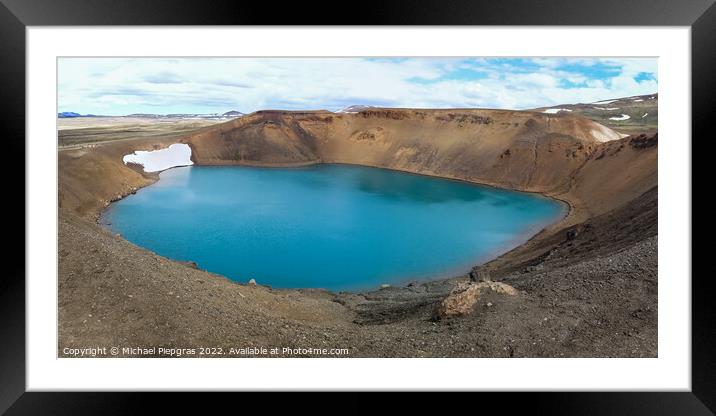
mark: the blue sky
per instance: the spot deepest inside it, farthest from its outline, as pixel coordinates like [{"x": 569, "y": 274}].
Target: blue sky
[{"x": 120, "y": 86}]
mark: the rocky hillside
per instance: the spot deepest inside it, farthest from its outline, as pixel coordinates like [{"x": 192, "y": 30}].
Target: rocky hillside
[{"x": 628, "y": 115}]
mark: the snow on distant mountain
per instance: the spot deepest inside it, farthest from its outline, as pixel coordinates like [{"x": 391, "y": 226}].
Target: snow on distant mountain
[
  {"x": 354, "y": 109},
  {"x": 627, "y": 115}
]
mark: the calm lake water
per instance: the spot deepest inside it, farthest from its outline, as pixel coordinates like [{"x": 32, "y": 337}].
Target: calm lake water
[{"x": 336, "y": 227}]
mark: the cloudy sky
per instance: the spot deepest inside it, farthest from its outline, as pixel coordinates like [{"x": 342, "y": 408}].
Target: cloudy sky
[{"x": 120, "y": 86}]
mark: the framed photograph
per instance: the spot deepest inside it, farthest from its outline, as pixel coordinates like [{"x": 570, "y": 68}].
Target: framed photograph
[{"x": 454, "y": 198}]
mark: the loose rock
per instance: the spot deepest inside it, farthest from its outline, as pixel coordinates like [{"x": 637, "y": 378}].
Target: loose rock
[{"x": 463, "y": 299}]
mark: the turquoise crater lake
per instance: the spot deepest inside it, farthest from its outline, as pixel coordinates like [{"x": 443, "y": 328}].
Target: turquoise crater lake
[{"x": 337, "y": 227}]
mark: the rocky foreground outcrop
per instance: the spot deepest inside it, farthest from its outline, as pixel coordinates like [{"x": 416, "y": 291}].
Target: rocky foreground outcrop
[
  {"x": 465, "y": 297},
  {"x": 586, "y": 286}
]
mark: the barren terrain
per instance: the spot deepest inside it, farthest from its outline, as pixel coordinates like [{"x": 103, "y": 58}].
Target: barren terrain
[
  {"x": 584, "y": 287},
  {"x": 79, "y": 132}
]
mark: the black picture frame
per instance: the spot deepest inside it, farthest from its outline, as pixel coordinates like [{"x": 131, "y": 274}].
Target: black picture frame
[{"x": 15, "y": 15}]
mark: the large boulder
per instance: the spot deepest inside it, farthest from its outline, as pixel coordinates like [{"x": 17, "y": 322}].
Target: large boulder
[{"x": 463, "y": 299}]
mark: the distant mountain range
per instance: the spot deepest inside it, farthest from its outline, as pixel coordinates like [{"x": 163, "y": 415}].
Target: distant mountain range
[
  {"x": 213, "y": 116},
  {"x": 70, "y": 114}
]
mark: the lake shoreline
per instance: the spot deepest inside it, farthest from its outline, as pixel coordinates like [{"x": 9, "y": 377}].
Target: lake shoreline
[{"x": 514, "y": 243}]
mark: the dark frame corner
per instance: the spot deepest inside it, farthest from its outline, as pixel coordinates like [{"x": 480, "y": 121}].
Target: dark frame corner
[{"x": 15, "y": 15}]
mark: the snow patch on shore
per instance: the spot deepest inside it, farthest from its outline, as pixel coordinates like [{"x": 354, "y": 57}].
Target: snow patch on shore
[
  {"x": 555, "y": 110},
  {"x": 605, "y": 102},
  {"x": 603, "y": 134},
  {"x": 620, "y": 118},
  {"x": 606, "y": 108},
  {"x": 177, "y": 154}
]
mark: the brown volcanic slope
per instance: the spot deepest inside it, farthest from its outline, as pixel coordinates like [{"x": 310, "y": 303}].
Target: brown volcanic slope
[
  {"x": 553, "y": 154},
  {"x": 610, "y": 186}
]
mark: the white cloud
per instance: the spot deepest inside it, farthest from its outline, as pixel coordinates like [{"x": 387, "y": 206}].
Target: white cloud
[{"x": 202, "y": 85}]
